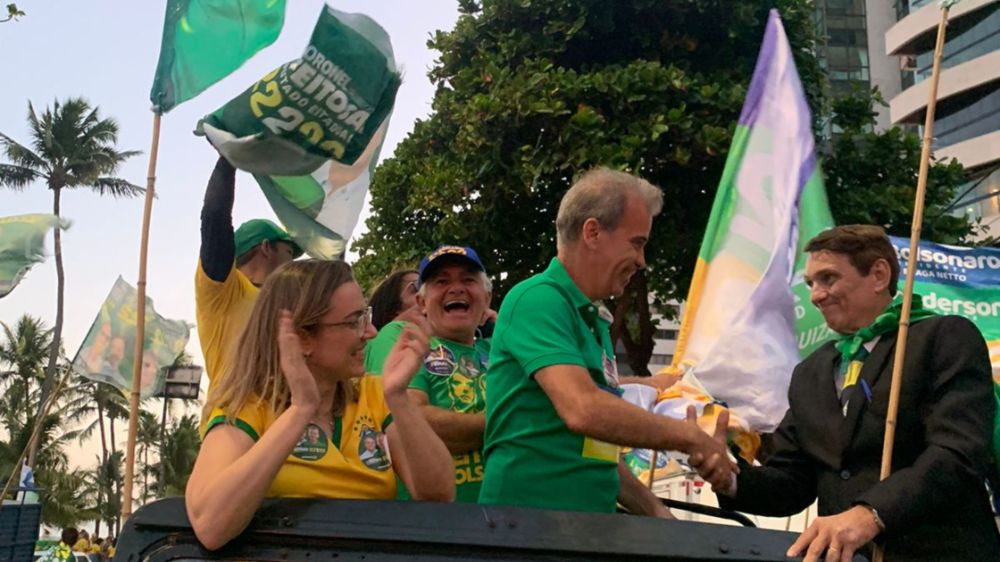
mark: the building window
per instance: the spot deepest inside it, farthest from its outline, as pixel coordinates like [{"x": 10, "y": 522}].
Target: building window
[
  {"x": 665, "y": 335},
  {"x": 969, "y": 38},
  {"x": 967, "y": 116},
  {"x": 660, "y": 359}
]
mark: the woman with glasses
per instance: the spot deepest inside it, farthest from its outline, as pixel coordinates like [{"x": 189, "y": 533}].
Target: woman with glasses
[{"x": 295, "y": 415}]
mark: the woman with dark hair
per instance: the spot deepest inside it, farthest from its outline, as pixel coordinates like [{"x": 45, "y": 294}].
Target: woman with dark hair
[
  {"x": 393, "y": 297},
  {"x": 292, "y": 415}
]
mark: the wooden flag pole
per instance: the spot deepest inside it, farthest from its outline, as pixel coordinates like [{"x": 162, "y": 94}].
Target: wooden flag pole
[
  {"x": 911, "y": 268},
  {"x": 652, "y": 469},
  {"x": 140, "y": 324}
]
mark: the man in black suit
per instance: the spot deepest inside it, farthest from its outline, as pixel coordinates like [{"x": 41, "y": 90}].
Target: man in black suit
[{"x": 935, "y": 504}]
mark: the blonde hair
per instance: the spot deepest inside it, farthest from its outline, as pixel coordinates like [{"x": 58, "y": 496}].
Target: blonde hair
[
  {"x": 601, "y": 194},
  {"x": 303, "y": 287}
]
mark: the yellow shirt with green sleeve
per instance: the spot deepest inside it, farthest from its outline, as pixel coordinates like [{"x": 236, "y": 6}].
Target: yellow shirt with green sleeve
[
  {"x": 454, "y": 378},
  {"x": 222, "y": 310},
  {"x": 532, "y": 458},
  {"x": 352, "y": 463}
]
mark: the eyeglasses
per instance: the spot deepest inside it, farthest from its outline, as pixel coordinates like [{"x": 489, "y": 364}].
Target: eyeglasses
[{"x": 360, "y": 325}]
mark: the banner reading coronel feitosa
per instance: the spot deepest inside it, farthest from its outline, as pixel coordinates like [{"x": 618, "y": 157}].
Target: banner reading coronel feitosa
[
  {"x": 326, "y": 105},
  {"x": 951, "y": 280}
]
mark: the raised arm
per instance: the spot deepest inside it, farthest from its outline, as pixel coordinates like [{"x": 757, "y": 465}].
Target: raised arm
[
  {"x": 218, "y": 246},
  {"x": 418, "y": 454},
  {"x": 232, "y": 472}
]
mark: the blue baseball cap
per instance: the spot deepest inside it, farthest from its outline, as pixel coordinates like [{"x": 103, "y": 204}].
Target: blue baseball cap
[{"x": 448, "y": 254}]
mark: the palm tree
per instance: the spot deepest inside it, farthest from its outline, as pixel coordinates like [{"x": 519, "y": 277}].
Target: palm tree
[
  {"x": 71, "y": 147},
  {"x": 147, "y": 438},
  {"x": 180, "y": 448},
  {"x": 107, "y": 480},
  {"x": 22, "y": 351},
  {"x": 69, "y": 498}
]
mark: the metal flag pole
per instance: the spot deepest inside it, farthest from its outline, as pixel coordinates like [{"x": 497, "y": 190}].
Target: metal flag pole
[
  {"x": 918, "y": 218},
  {"x": 140, "y": 325}
]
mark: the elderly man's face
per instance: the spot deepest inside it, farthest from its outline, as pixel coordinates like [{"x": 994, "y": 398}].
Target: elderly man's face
[
  {"x": 622, "y": 250},
  {"x": 454, "y": 301}
]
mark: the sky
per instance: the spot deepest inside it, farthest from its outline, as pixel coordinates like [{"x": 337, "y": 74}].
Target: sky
[{"x": 106, "y": 51}]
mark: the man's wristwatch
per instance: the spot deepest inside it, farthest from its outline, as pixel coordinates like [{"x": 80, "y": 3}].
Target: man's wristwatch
[{"x": 874, "y": 512}]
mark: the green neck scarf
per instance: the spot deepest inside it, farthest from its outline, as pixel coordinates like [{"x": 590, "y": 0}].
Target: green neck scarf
[{"x": 849, "y": 344}]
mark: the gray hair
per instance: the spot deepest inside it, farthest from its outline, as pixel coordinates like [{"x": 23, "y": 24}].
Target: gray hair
[
  {"x": 483, "y": 278},
  {"x": 601, "y": 194}
]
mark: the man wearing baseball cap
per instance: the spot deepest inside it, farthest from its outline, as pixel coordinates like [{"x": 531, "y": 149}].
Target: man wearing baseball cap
[
  {"x": 454, "y": 296},
  {"x": 231, "y": 267}
]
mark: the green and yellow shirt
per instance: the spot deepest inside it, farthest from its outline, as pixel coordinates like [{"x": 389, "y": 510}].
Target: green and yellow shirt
[
  {"x": 352, "y": 463},
  {"x": 454, "y": 378}
]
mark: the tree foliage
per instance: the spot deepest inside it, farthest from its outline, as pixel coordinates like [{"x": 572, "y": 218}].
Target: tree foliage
[
  {"x": 13, "y": 13},
  {"x": 530, "y": 94},
  {"x": 72, "y": 147},
  {"x": 871, "y": 177},
  {"x": 179, "y": 450}
]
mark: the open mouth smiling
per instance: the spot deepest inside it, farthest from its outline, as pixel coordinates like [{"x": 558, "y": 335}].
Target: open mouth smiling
[{"x": 456, "y": 306}]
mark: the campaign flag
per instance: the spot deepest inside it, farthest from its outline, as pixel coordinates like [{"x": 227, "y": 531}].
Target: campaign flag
[
  {"x": 107, "y": 354},
  {"x": 737, "y": 339},
  {"x": 22, "y": 245},
  {"x": 205, "y": 40},
  {"x": 320, "y": 210},
  {"x": 311, "y": 130}
]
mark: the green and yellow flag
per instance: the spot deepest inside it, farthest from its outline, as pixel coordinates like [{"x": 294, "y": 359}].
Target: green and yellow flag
[
  {"x": 107, "y": 354},
  {"x": 22, "y": 245},
  {"x": 205, "y": 40}
]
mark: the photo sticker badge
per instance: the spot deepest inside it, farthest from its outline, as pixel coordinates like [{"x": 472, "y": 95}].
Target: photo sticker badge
[
  {"x": 440, "y": 361},
  {"x": 313, "y": 444},
  {"x": 372, "y": 449}
]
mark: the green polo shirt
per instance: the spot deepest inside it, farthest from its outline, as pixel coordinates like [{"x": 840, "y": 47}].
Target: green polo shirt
[
  {"x": 532, "y": 458},
  {"x": 453, "y": 377}
]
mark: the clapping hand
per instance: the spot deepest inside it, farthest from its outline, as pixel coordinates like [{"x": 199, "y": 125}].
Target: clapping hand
[
  {"x": 300, "y": 380},
  {"x": 405, "y": 358},
  {"x": 709, "y": 455}
]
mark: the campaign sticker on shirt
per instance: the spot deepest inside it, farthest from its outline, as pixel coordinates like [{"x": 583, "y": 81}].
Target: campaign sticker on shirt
[
  {"x": 372, "y": 450},
  {"x": 468, "y": 366},
  {"x": 610, "y": 370},
  {"x": 440, "y": 361},
  {"x": 313, "y": 444}
]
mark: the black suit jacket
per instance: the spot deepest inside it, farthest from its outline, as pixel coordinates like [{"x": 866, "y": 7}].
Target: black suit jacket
[{"x": 934, "y": 504}]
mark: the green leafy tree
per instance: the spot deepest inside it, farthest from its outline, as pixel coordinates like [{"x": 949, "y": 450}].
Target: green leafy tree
[
  {"x": 13, "y": 13},
  {"x": 148, "y": 439},
  {"x": 529, "y": 94},
  {"x": 871, "y": 177},
  {"x": 71, "y": 147},
  {"x": 68, "y": 497},
  {"x": 23, "y": 351},
  {"x": 179, "y": 450},
  {"x": 106, "y": 478}
]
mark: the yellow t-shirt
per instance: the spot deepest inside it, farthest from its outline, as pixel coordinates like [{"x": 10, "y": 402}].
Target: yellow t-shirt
[
  {"x": 353, "y": 463},
  {"x": 82, "y": 545},
  {"x": 222, "y": 311}
]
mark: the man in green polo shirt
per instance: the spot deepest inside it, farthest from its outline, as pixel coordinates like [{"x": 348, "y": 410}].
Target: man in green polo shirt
[
  {"x": 555, "y": 419},
  {"x": 454, "y": 295}
]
